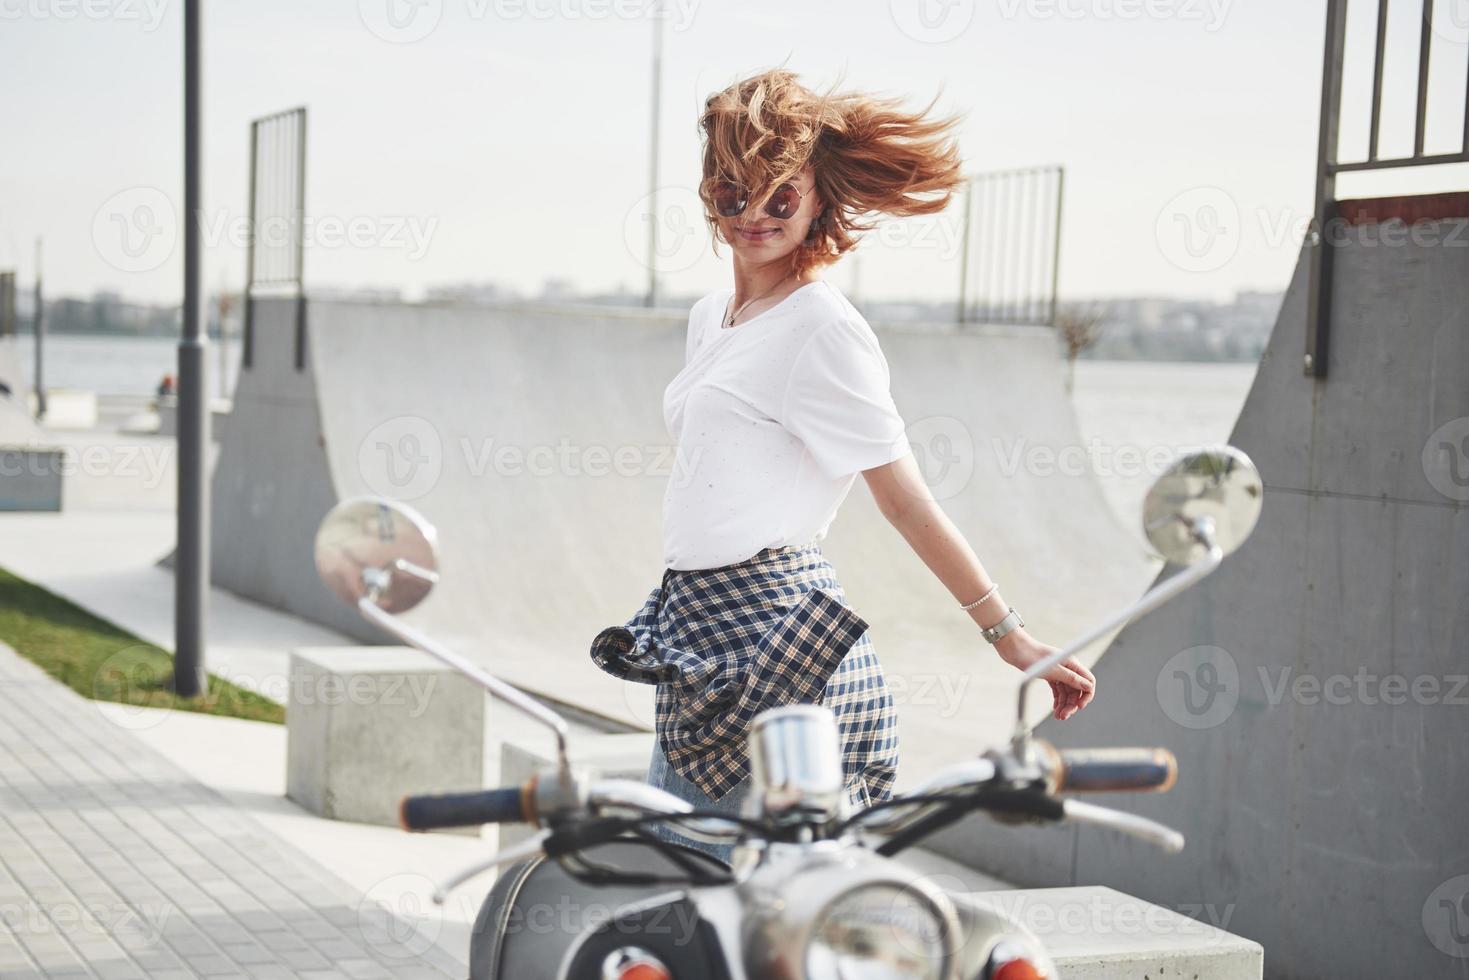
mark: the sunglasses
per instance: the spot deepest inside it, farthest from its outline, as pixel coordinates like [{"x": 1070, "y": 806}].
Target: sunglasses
[{"x": 731, "y": 199}]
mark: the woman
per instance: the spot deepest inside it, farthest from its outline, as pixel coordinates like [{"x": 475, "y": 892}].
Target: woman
[{"x": 782, "y": 401}]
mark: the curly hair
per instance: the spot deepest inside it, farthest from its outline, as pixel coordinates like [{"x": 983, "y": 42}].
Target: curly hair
[{"x": 870, "y": 157}]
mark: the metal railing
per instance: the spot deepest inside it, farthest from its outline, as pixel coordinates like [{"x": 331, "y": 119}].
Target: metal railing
[
  {"x": 275, "y": 255},
  {"x": 1011, "y": 246},
  {"x": 7, "y": 304},
  {"x": 1318, "y": 326}
]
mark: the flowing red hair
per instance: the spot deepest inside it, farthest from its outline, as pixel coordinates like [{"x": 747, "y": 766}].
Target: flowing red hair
[{"x": 869, "y": 155}]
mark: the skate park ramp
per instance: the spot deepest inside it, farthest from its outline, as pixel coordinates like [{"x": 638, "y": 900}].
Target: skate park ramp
[
  {"x": 17, "y": 428},
  {"x": 1314, "y": 687},
  {"x": 533, "y": 438},
  {"x": 16, "y": 424}
]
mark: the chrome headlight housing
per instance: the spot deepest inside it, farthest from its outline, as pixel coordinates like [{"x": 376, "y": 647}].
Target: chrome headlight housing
[
  {"x": 878, "y": 932},
  {"x": 841, "y": 913}
]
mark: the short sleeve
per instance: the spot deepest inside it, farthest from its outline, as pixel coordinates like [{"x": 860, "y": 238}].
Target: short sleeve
[
  {"x": 702, "y": 311},
  {"x": 691, "y": 337},
  {"x": 839, "y": 405}
]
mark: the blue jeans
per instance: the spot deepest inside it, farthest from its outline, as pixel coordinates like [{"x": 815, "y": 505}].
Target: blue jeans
[{"x": 665, "y": 777}]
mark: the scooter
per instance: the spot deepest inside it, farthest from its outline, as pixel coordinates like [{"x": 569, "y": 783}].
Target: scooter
[{"x": 812, "y": 890}]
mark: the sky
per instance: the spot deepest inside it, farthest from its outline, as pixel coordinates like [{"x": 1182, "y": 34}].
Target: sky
[{"x": 455, "y": 141}]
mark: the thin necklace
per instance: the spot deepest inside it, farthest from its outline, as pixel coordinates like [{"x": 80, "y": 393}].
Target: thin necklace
[{"x": 729, "y": 320}]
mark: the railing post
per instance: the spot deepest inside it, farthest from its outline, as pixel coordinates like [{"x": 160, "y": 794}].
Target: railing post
[
  {"x": 1318, "y": 314},
  {"x": 1056, "y": 244},
  {"x": 247, "y": 340},
  {"x": 963, "y": 311}
]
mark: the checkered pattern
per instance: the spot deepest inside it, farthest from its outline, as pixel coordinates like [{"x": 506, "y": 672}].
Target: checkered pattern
[{"x": 724, "y": 644}]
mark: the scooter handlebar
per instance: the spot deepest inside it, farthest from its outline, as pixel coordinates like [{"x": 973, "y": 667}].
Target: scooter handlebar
[
  {"x": 1111, "y": 770},
  {"x": 508, "y": 804}
]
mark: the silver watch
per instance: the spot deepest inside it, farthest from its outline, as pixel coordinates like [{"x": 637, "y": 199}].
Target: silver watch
[{"x": 1004, "y": 627}]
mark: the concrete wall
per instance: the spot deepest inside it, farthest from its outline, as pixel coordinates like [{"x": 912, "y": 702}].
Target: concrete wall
[
  {"x": 1324, "y": 805},
  {"x": 272, "y": 485}
]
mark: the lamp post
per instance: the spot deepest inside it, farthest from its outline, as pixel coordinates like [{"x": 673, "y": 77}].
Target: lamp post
[
  {"x": 652, "y": 297},
  {"x": 39, "y": 325},
  {"x": 191, "y": 567}
]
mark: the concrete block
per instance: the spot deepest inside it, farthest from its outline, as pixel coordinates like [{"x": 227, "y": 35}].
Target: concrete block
[
  {"x": 619, "y": 756},
  {"x": 367, "y": 725},
  {"x": 1096, "y": 933},
  {"x": 30, "y": 478},
  {"x": 168, "y": 416},
  {"x": 67, "y": 408}
]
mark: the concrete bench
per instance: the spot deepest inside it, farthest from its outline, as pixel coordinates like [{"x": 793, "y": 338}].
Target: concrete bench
[
  {"x": 1097, "y": 933},
  {"x": 31, "y": 477},
  {"x": 367, "y": 725}
]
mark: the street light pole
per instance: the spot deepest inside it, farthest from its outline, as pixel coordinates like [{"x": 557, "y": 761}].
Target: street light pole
[
  {"x": 39, "y": 327},
  {"x": 652, "y": 298},
  {"x": 191, "y": 566}
]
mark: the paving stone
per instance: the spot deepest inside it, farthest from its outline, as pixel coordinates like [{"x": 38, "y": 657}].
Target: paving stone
[{"x": 116, "y": 864}]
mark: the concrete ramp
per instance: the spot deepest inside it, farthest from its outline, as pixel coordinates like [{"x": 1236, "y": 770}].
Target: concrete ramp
[
  {"x": 17, "y": 428},
  {"x": 534, "y": 439},
  {"x": 11, "y": 372},
  {"x": 1314, "y": 688},
  {"x": 16, "y": 424}
]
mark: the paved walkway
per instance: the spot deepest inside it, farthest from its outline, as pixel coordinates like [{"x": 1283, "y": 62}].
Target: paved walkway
[{"x": 115, "y": 864}]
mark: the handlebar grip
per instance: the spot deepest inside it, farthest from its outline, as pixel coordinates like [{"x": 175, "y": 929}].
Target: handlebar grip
[
  {"x": 1110, "y": 770},
  {"x": 503, "y": 805}
]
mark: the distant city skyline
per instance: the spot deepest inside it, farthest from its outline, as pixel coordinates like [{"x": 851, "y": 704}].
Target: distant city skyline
[
  {"x": 1127, "y": 328},
  {"x": 456, "y": 141}
]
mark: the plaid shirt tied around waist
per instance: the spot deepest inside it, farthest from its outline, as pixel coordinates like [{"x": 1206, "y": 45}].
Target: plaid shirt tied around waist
[{"x": 724, "y": 644}]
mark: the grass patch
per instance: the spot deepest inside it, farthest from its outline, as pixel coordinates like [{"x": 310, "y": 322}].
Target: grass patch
[{"x": 100, "y": 661}]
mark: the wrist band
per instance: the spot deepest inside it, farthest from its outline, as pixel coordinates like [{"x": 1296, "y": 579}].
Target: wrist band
[
  {"x": 1004, "y": 627},
  {"x": 982, "y": 599}
]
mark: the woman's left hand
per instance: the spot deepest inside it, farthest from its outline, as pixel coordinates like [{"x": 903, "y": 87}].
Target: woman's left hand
[{"x": 1072, "y": 685}]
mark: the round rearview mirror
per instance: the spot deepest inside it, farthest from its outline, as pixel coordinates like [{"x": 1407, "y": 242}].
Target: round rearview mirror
[
  {"x": 378, "y": 549},
  {"x": 1213, "y": 495}
]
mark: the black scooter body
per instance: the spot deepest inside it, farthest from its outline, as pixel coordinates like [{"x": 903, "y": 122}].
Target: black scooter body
[{"x": 536, "y": 912}]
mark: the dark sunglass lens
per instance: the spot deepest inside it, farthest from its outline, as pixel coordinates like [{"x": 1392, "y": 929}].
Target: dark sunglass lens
[
  {"x": 729, "y": 200},
  {"x": 784, "y": 202}
]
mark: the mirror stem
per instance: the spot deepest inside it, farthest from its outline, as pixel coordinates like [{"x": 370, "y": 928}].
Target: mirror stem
[
  {"x": 516, "y": 697},
  {"x": 408, "y": 568},
  {"x": 1203, "y": 532}
]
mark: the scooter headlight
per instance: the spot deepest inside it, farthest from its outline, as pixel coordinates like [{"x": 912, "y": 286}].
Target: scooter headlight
[{"x": 878, "y": 932}]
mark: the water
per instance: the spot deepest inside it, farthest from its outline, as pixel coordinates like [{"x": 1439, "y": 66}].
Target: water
[
  {"x": 1133, "y": 416},
  {"x": 110, "y": 365}
]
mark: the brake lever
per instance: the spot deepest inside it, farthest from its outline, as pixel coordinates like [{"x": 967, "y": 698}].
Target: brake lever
[
  {"x": 1131, "y": 824},
  {"x": 626, "y": 794}
]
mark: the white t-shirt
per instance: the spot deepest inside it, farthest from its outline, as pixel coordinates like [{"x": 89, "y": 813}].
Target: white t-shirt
[{"x": 772, "y": 420}]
